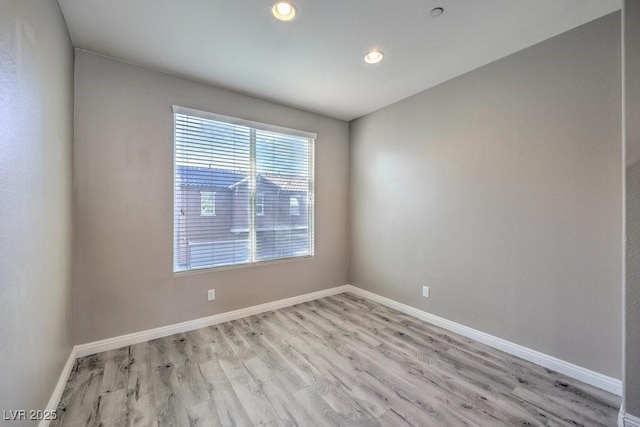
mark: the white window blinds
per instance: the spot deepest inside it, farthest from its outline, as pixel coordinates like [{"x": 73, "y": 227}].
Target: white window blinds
[{"x": 234, "y": 181}]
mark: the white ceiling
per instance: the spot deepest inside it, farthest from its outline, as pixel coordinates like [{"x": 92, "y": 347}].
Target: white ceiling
[{"x": 315, "y": 62}]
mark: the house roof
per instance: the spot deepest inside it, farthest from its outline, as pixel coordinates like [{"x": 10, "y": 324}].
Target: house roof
[
  {"x": 225, "y": 178},
  {"x": 287, "y": 182},
  {"x": 208, "y": 177}
]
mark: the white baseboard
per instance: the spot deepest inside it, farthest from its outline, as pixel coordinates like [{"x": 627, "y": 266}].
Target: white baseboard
[
  {"x": 52, "y": 405},
  {"x": 164, "y": 331},
  {"x": 631, "y": 420},
  {"x": 138, "y": 337},
  {"x": 588, "y": 376}
]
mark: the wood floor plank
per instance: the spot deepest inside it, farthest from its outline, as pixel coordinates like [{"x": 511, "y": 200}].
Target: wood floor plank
[
  {"x": 169, "y": 406},
  {"x": 392, "y": 356},
  {"x": 275, "y": 391},
  {"x": 392, "y": 418},
  {"x": 334, "y": 324},
  {"x": 414, "y": 405},
  {"x": 392, "y": 318},
  {"x": 423, "y": 359},
  {"x": 511, "y": 365},
  {"x": 279, "y": 423},
  {"x": 342, "y": 374},
  {"x": 219, "y": 345},
  {"x": 322, "y": 355},
  {"x": 330, "y": 389},
  {"x": 236, "y": 341},
  {"x": 109, "y": 411},
  {"x": 352, "y": 338},
  {"x": 115, "y": 370},
  {"x": 443, "y": 404},
  {"x": 330, "y": 317},
  {"x": 498, "y": 377},
  {"x": 140, "y": 406},
  {"x": 507, "y": 362},
  {"x": 79, "y": 402},
  {"x": 474, "y": 392},
  {"x": 570, "y": 410},
  {"x": 250, "y": 394},
  {"x": 203, "y": 414},
  {"x": 318, "y": 409},
  {"x": 333, "y": 389},
  {"x": 339, "y": 360},
  {"x": 224, "y": 402},
  {"x": 200, "y": 342},
  {"x": 274, "y": 339},
  {"x": 475, "y": 396},
  {"x": 340, "y": 370},
  {"x": 274, "y": 363},
  {"x": 180, "y": 352},
  {"x": 334, "y": 338}
]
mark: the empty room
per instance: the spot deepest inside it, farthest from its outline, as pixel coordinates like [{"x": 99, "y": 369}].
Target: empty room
[{"x": 331, "y": 213}]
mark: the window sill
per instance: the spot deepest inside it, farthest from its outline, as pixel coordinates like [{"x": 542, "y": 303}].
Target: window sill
[{"x": 241, "y": 266}]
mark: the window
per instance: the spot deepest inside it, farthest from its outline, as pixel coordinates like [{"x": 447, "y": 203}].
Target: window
[
  {"x": 294, "y": 205},
  {"x": 207, "y": 203},
  {"x": 225, "y": 171},
  {"x": 260, "y": 204}
]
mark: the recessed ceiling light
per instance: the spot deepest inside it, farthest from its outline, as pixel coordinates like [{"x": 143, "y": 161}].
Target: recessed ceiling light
[
  {"x": 373, "y": 57},
  {"x": 284, "y": 10},
  {"x": 436, "y": 11}
]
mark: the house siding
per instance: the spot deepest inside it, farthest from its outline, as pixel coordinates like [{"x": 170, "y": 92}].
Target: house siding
[{"x": 223, "y": 238}]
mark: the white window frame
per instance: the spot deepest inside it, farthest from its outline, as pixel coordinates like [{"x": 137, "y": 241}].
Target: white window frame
[{"x": 310, "y": 197}]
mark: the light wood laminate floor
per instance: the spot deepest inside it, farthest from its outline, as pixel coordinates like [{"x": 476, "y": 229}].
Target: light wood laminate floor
[{"x": 340, "y": 360}]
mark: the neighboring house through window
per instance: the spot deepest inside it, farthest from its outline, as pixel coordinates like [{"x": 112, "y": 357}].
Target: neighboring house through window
[{"x": 243, "y": 191}]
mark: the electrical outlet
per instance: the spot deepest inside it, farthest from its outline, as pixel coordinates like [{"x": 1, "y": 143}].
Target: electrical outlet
[
  {"x": 425, "y": 291},
  {"x": 211, "y": 294}
]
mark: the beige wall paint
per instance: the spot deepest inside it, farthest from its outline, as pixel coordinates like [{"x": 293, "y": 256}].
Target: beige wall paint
[
  {"x": 501, "y": 190},
  {"x": 123, "y": 280},
  {"x": 36, "y": 140},
  {"x": 632, "y": 146}
]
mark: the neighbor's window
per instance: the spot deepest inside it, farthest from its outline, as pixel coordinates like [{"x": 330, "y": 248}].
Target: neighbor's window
[
  {"x": 207, "y": 203},
  {"x": 294, "y": 205},
  {"x": 260, "y": 204},
  {"x": 228, "y": 172}
]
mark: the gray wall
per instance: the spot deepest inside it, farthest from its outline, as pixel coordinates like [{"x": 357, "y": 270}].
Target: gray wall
[
  {"x": 632, "y": 367},
  {"x": 632, "y": 145},
  {"x": 501, "y": 189},
  {"x": 632, "y": 80},
  {"x": 36, "y": 134},
  {"x": 123, "y": 280}
]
